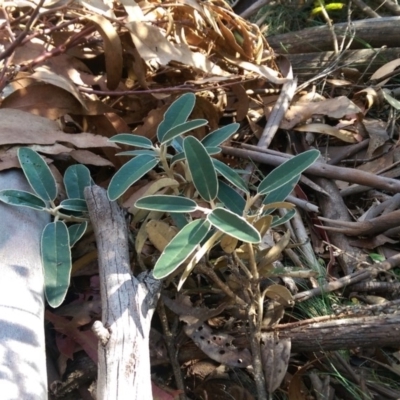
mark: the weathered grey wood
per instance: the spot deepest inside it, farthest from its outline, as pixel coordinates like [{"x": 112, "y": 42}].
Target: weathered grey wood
[
  {"x": 22, "y": 346},
  {"x": 376, "y": 32},
  {"x": 307, "y": 65},
  {"x": 128, "y": 304}
]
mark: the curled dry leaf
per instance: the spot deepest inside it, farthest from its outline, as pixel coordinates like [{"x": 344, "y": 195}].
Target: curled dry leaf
[
  {"x": 384, "y": 70},
  {"x": 44, "y": 74},
  {"x": 112, "y": 49},
  {"x": 156, "y": 50},
  {"x": 160, "y": 234}
]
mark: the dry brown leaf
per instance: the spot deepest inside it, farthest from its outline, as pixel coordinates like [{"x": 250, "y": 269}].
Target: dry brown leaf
[
  {"x": 325, "y": 129},
  {"x": 280, "y": 294},
  {"x": 218, "y": 346},
  {"x": 160, "y": 234},
  {"x": 19, "y": 127},
  {"x": 156, "y": 50},
  {"x": 242, "y": 104},
  {"x": 334, "y": 108},
  {"x": 228, "y": 243},
  {"x": 274, "y": 253},
  {"x": 378, "y": 136},
  {"x": 44, "y": 100},
  {"x": 384, "y": 70},
  {"x": 112, "y": 49},
  {"x": 89, "y": 158},
  {"x": 275, "y": 354},
  {"x": 44, "y": 74}
]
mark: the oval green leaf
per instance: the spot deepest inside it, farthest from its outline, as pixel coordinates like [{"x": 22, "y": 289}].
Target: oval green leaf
[
  {"x": 287, "y": 217},
  {"x": 230, "y": 175},
  {"x": 287, "y": 171},
  {"x": 179, "y": 130},
  {"x": 281, "y": 193},
  {"x": 201, "y": 168},
  {"x": 56, "y": 257},
  {"x": 233, "y": 225},
  {"x": 138, "y": 153},
  {"x": 76, "y": 178},
  {"x": 38, "y": 174},
  {"x": 180, "y": 248},
  {"x": 132, "y": 140},
  {"x": 167, "y": 203},
  {"x": 220, "y": 135},
  {"x": 21, "y": 198},
  {"x": 128, "y": 174},
  {"x": 231, "y": 199},
  {"x": 177, "y": 113},
  {"x": 74, "y": 205},
  {"x": 76, "y": 231}
]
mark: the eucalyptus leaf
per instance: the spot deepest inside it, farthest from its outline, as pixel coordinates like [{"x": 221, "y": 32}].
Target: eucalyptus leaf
[
  {"x": 231, "y": 199},
  {"x": 56, "y": 257},
  {"x": 233, "y": 225},
  {"x": 201, "y": 168},
  {"x": 76, "y": 231},
  {"x": 178, "y": 113},
  {"x": 179, "y": 130},
  {"x": 76, "y": 178},
  {"x": 230, "y": 175},
  {"x": 21, "y": 198},
  {"x": 180, "y": 248},
  {"x": 128, "y": 174},
  {"x": 220, "y": 135},
  {"x": 167, "y": 203},
  {"x": 38, "y": 174},
  {"x": 74, "y": 205},
  {"x": 132, "y": 140},
  {"x": 288, "y": 171}
]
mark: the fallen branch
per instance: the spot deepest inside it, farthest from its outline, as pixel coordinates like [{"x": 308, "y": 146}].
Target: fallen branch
[
  {"x": 319, "y": 169},
  {"x": 128, "y": 304},
  {"x": 376, "y": 32}
]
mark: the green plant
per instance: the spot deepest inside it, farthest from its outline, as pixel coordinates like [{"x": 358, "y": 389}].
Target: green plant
[
  {"x": 196, "y": 185},
  {"x": 57, "y": 239}
]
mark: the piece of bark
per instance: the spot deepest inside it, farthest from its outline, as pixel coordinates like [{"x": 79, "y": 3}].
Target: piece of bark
[
  {"x": 128, "y": 304},
  {"x": 319, "y": 169},
  {"x": 375, "y": 32},
  {"x": 22, "y": 344},
  {"x": 345, "y": 333}
]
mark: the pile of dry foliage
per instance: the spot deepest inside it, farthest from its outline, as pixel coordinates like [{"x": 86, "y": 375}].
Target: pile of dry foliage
[{"x": 75, "y": 73}]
